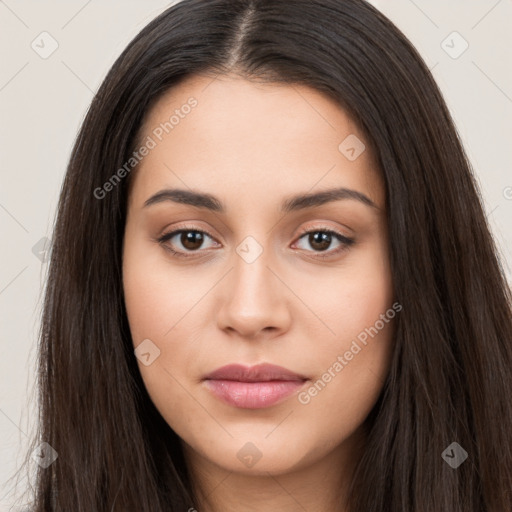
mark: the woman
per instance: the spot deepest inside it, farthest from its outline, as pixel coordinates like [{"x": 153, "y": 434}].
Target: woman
[{"x": 334, "y": 331}]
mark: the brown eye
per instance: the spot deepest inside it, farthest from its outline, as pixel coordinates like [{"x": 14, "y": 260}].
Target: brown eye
[
  {"x": 183, "y": 241},
  {"x": 191, "y": 240},
  {"x": 320, "y": 240}
]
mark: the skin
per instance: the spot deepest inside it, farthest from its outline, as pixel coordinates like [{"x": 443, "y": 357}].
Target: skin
[{"x": 253, "y": 145}]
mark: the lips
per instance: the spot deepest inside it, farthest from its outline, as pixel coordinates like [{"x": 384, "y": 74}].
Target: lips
[
  {"x": 253, "y": 387},
  {"x": 258, "y": 373}
]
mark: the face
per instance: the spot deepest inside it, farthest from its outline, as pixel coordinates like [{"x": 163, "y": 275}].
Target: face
[{"x": 235, "y": 254}]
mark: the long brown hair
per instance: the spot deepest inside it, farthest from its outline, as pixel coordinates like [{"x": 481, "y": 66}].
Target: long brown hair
[{"x": 450, "y": 378}]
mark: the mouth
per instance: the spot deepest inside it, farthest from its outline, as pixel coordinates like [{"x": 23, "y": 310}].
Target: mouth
[{"x": 254, "y": 387}]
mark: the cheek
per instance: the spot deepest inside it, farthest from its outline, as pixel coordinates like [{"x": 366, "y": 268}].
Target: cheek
[
  {"x": 351, "y": 372},
  {"x": 351, "y": 298},
  {"x": 156, "y": 294},
  {"x": 149, "y": 304},
  {"x": 349, "y": 383},
  {"x": 163, "y": 305},
  {"x": 353, "y": 362},
  {"x": 156, "y": 304}
]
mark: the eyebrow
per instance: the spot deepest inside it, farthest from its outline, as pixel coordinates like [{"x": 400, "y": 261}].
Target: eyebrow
[{"x": 290, "y": 204}]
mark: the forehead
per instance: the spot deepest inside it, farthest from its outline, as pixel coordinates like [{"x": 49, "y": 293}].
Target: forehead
[{"x": 228, "y": 135}]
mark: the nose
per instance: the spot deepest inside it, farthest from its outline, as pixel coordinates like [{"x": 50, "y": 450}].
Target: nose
[{"x": 255, "y": 300}]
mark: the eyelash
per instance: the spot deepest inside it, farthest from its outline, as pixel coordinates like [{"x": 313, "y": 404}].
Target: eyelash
[{"x": 345, "y": 241}]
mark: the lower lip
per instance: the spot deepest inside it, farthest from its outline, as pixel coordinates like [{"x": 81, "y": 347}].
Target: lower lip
[{"x": 253, "y": 395}]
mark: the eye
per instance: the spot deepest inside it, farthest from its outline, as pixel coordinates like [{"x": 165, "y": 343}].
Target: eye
[
  {"x": 321, "y": 239},
  {"x": 191, "y": 240}
]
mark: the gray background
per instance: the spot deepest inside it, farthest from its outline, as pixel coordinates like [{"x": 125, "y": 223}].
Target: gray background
[{"x": 43, "y": 101}]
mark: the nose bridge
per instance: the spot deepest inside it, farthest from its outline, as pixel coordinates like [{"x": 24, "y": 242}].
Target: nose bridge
[
  {"x": 254, "y": 298},
  {"x": 251, "y": 277}
]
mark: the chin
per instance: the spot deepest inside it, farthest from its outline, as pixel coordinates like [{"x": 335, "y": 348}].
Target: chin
[{"x": 258, "y": 457}]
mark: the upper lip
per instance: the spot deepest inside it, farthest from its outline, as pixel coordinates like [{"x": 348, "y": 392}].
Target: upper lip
[{"x": 258, "y": 373}]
